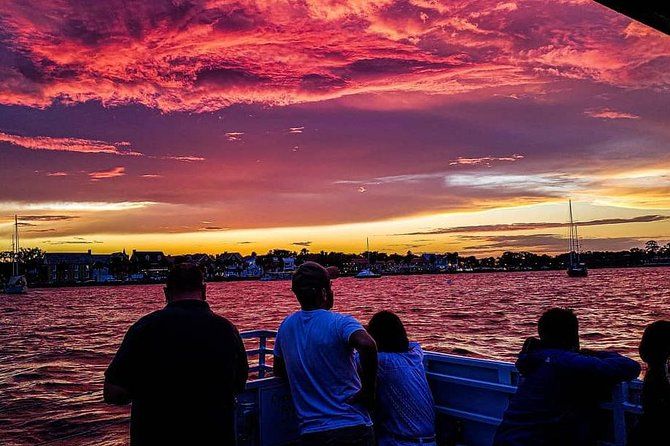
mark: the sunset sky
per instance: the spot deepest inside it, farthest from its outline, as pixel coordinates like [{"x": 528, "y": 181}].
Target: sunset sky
[{"x": 425, "y": 125}]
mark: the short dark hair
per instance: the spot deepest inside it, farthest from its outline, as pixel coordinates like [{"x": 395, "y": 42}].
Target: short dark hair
[
  {"x": 389, "y": 333},
  {"x": 559, "y": 328},
  {"x": 184, "y": 277},
  {"x": 655, "y": 344},
  {"x": 308, "y": 281}
]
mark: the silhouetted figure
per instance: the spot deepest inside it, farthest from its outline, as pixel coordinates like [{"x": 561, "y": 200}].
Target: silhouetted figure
[
  {"x": 181, "y": 368},
  {"x": 654, "y": 426},
  {"x": 314, "y": 349},
  {"x": 404, "y": 414},
  {"x": 561, "y": 388}
]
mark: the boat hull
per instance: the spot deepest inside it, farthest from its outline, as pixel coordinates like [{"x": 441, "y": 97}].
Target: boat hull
[
  {"x": 11, "y": 289},
  {"x": 577, "y": 272},
  {"x": 16, "y": 285}
]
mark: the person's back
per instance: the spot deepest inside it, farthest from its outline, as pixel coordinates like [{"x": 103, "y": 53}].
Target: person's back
[
  {"x": 653, "y": 427},
  {"x": 181, "y": 368},
  {"x": 561, "y": 388},
  {"x": 314, "y": 349},
  {"x": 320, "y": 362},
  {"x": 404, "y": 412}
]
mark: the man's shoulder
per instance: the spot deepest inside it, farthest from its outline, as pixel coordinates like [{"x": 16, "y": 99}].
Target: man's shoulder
[{"x": 147, "y": 320}]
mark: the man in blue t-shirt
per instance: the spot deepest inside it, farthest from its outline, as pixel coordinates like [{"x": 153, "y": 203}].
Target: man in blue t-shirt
[{"x": 314, "y": 349}]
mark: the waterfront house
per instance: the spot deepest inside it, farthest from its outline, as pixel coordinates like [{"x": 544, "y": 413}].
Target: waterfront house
[
  {"x": 68, "y": 267},
  {"x": 252, "y": 268},
  {"x": 151, "y": 265},
  {"x": 288, "y": 264},
  {"x": 229, "y": 265}
]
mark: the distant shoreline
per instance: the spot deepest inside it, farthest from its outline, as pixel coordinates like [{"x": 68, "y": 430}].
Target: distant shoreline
[{"x": 254, "y": 279}]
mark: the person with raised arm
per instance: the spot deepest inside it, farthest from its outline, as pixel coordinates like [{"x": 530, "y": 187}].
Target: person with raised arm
[
  {"x": 561, "y": 386},
  {"x": 180, "y": 367},
  {"x": 314, "y": 350}
]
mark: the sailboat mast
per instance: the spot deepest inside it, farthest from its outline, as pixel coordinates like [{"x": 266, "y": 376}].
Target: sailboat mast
[
  {"x": 367, "y": 241},
  {"x": 571, "y": 244},
  {"x": 15, "y": 248}
]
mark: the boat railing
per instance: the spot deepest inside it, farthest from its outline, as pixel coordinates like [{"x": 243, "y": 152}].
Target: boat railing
[
  {"x": 260, "y": 367},
  {"x": 470, "y": 397}
]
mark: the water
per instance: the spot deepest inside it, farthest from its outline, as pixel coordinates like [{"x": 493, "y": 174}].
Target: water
[{"x": 56, "y": 343}]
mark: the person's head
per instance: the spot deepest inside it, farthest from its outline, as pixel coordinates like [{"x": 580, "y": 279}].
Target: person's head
[
  {"x": 558, "y": 328},
  {"x": 389, "y": 333},
  {"x": 184, "y": 281},
  {"x": 311, "y": 285},
  {"x": 655, "y": 344}
]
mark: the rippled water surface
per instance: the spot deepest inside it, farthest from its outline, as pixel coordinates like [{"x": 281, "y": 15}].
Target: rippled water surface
[{"x": 56, "y": 343}]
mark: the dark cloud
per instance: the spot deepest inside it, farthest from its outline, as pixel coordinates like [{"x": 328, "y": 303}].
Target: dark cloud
[
  {"x": 48, "y": 217},
  {"x": 545, "y": 243},
  {"x": 305, "y": 243},
  {"x": 539, "y": 225}
]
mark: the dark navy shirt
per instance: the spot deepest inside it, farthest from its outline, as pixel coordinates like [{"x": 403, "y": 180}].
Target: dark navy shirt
[
  {"x": 557, "y": 400},
  {"x": 182, "y": 366}
]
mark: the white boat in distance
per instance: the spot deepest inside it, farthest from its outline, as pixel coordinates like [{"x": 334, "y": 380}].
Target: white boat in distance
[
  {"x": 17, "y": 283},
  {"x": 367, "y": 273}
]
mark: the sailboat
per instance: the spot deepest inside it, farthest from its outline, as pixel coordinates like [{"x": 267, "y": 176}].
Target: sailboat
[
  {"x": 17, "y": 283},
  {"x": 367, "y": 273},
  {"x": 576, "y": 268}
]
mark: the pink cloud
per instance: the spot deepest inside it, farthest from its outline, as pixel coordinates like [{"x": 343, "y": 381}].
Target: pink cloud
[
  {"x": 67, "y": 144},
  {"x": 107, "y": 174},
  {"x": 608, "y": 113},
  {"x": 486, "y": 160},
  {"x": 234, "y": 136}
]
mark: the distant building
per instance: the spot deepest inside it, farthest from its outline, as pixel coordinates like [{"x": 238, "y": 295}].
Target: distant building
[
  {"x": 288, "y": 263},
  {"x": 252, "y": 269},
  {"x": 151, "y": 265},
  {"x": 229, "y": 265},
  {"x": 68, "y": 267}
]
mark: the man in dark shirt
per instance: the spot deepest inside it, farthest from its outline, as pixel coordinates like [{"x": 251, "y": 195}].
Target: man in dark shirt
[
  {"x": 181, "y": 368},
  {"x": 556, "y": 402}
]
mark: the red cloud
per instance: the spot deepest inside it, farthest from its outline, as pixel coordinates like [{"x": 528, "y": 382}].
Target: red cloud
[
  {"x": 202, "y": 56},
  {"x": 107, "y": 174},
  {"x": 67, "y": 145}
]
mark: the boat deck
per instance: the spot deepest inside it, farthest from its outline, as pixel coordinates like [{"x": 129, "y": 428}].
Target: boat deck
[{"x": 470, "y": 397}]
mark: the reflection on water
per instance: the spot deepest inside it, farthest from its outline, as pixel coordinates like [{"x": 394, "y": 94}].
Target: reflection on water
[{"x": 56, "y": 343}]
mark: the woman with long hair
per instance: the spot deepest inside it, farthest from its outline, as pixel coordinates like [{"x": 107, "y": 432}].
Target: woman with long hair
[{"x": 404, "y": 414}]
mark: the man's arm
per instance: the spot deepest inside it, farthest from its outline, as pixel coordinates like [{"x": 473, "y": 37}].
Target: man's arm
[
  {"x": 603, "y": 366},
  {"x": 242, "y": 366},
  {"x": 119, "y": 375},
  {"x": 115, "y": 394},
  {"x": 279, "y": 367},
  {"x": 367, "y": 352}
]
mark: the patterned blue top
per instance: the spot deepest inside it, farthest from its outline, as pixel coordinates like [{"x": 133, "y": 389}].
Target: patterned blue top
[{"x": 405, "y": 406}]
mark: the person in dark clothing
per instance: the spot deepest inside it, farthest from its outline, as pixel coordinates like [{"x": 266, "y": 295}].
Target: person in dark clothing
[
  {"x": 181, "y": 368},
  {"x": 561, "y": 386},
  {"x": 654, "y": 428}
]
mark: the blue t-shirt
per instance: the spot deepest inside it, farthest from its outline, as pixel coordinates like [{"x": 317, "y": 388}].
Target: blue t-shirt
[
  {"x": 321, "y": 369},
  {"x": 404, "y": 400}
]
